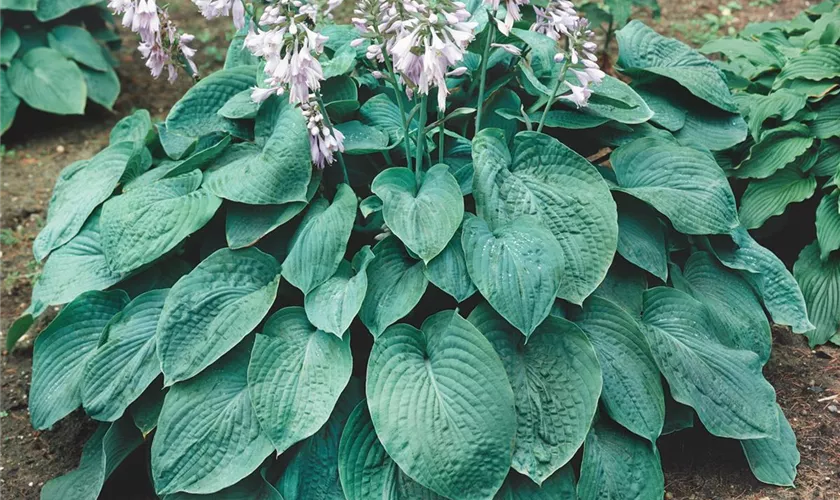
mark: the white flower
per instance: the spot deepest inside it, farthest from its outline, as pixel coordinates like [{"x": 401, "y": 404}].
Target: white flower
[
  {"x": 188, "y": 52},
  {"x": 512, "y": 13},
  {"x": 510, "y": 49},
  {"x": 324, "y": 142},
  {"x": 216, "y": 8},
  {"x": 579, "y": 96}
]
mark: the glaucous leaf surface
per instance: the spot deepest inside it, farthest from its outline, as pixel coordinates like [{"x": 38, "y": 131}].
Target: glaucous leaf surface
[
  {"x": 641, "y": 237},
  {"x": 47, "y": 81},
  {"x": 820, "y": 284},
  {"x": 103, "y": 87},
  {"x": 546, "y": 179},
  {"x": 9, "y": 102},
  {"x": 321, "y": 239},
  {"x": 296, "y": 374},
  {"x": 213, "y": 308},
  {"x": 109, "y": 445},
  {"x": 143, "y": 224},
  {"x": 560, "y": 486},
  {"x": 632, "y": 394},
  {"x": 775, "y": 149},
  {"x": 774, "y": 461},
  {"x": 253, "y": 487},
  {"x": 617, "y": 464},
  {"x": 556, "y": 380},
  {"x": 136, "y": 127},
  {"x": 96, "y": 178},
  {"x": 9, "y": 43},
  {"x": 78, "y": 44},
  {"x": 448, "y": 271},
  {"x": 725, "y": 386},
  {"x": 52, "y": 9},
  {"x": 61, "y": 352},
  {"x": 125, "y": 363},
  {"x": 173, "y": 168},
  {"x": 685, "y": 185},
  {"x": 828, "y": 224},
  {"x": 333, "y": 305},
  {"x": 203, "y": 448},
  {"x": 818, "y": 63},
  {"x": 516, "y": 268},
  {"x": 396, "y": 283},
  {"x": 423, "y": 217},
  {"x": 454, "y": 430},
  {"x": 766, "y": 198}
]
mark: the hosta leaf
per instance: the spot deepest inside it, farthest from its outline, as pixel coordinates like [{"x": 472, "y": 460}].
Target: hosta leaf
[
  {"x": 253, "y": 487},
  {"x": 382, "y": 113},
  {"x": 560, "y": 486},
  {"x": 332, "y": 305},
  {"x": 296, "y": 375},
  {"x": 828, "y": 159},
  {"x": 145, "y": 411},
  {"x": 714, "y": 129},
  {"x": 756, "y": 52},
  {"x": 395, "y": 285},
  {"x": 61, "y": 352},
  {"x": 615, "y": 100},
  {"x": 360, "y": 139},
  {"x": 725, "y": 386},
  {"x": 321, "y": 240},
  {"x": 774, "y": 461},
  {"x": 212, "y": 308},
  {"x": 642, "y": 50},
  {"x": 828, "y": 224},
  {"x": 24, "y": 5},
  {"x": 109, "y": 445},
  {"x": 733, "y": 307},
  {"x": 517, "y": 268},
  {"x": 78, "y": 44},
  {"x": 784, "y": 104},
  {"x": 195, "y": 114},
  {"x": 567, "y": 119},
  {"x": 237, "y": 54},
  {"x": 641, "y": 237},
  {"x": 546, "y": 179},
  {"x": 448, "y": 271},
  {"x": 827, "y": 122},
  {"x": 777, "y": 148},
  {"x": 103, "y": 87},
  {"x": 633, "y": 394},
  {"x": 202, "y": 448},
  {"x": 366, "y": 470},
  {"x": 765, "y": 198},
  {"x": 9, "y": 102},
  {"x": 52, "y": 9},
  {"x": 77, "y": 267},
  {"x": 126, "y": 362},
  {"x": 556, "y": 380},
  {"x": 455, "y": 428},
  {"x": 241, "y": 106},
  {"x": 617, "y": 464},
  {"x": 46, "y": 80},
  {"x": 685, "y": 185},
  {"x": 503, "y": 100},
  {"x": 667, "y": 111},
  {"x": 9, "y": 44},
  {"x": 820, "y": 63},
  {"x": 96, "y": 178},
  {"x": 276, "y": 170},
  {"x": 136, "y": 127},
  {"x": 174, "y": 168},
  {"x": 677, "y": 416},
  {"x": 768, "y": 276},
  {"x": 312, "y": 473},
  {"x": 423, "y": 217},
  {"x": 145, "y": 223},
  {"x": 624, "y": 286},
  {"x": 820, "y": 283}
]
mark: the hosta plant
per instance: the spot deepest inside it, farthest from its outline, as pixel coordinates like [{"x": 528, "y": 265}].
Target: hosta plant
[
  {"x": 786, "y": 77},
  {"x": 55, "y": 57},
  {"x": 313, "y": 281}
]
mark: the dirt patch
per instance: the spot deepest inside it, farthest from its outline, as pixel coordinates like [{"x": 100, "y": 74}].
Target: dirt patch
[{"x": 696, "y": 465}]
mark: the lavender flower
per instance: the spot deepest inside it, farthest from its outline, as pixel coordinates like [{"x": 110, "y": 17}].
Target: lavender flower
[
  {"x": 512, "y": 13},
  {"x": 216, "y": 8},
  {"x": 324, "y": 141}
]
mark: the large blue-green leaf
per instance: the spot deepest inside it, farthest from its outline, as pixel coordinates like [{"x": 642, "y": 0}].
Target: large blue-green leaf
[
  {"x": 641, "y": 237},
  {"x": 9, "y": 44},
  {"x": 772, "y": 460},
  {"x": 174, "y": 168},
  {"x": 80, "y": 188},
  {"x": 617, "y": 464},
  {"x": 820, "y": 63},
  {"x": 776, "y": 148},
  {"x": 820, "y": 283},
  {"x": 448, "y": 271},
  {"x": 78, "y": 44},
  {"x": 395, "y": 285},
  {"x": 320, "y": 242},
  {"x": 296, "y": 374},
  {"x": 455, "y": 428},
  {"x": 126, "y": 362},
  {"x": 685, "y": 185},
  {"x": 46, "y": 80},
  {"x": 333, "y": 304},
  {"x": 828, "y": 224},
  {"x": 723, "y": 385},
  {"x": 766, "y": 198},
  {"x": 556, "y": 381},
  {"x": 103, "y": 87},
  {"x": 109, "y": 445},
  {"x": 52, "y": 9},
  {"x": 214, "y": 307},
  {"x": 734, "y": 309},
  {"x": 560, "y": 486},
  {"x": 517, "y": 267},
  {"x": 9, "y": 102},
  {"x": 548, "y": 180},
  {"x": 136, "y": 127},
  {"x": 365, "y": 469},
  {"x": 642, "y": 50},
  {"x": 61, "y": 352},
  {"x": 423, "y": 217},
  {"x": 633, "y": 394},
  {"x": 141, "y": 225},
  {"x": 208, "y": 436},
  {"x": 253, "y": 487}
]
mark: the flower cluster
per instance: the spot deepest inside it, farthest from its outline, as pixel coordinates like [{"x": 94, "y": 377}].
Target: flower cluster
[
  {"x": 212, "y": 9},
  {"x": 160, "y": 44},
  {"x": 290, "y": 48},
  {"x": 324, "y": 140},
  {"x": 512, "y": 13}
]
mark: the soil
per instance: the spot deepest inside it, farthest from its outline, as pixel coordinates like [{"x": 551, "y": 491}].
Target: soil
[{"x": 696, "y": 465}]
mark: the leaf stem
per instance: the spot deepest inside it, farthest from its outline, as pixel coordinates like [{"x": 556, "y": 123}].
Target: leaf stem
[
  {"x": 329, "y": 124},
  {"x": 405, "y": 120},
  {"x": 421, "y": 140},
  {"x": 483, "y": 82},
  {"x": 440, "y": 136},
  {"x": 560, "y": 81}
]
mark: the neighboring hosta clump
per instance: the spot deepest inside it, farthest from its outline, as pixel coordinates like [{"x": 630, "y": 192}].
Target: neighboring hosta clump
[
  {"x": 439, "y": 312},
  {"x": 786, "y": 77},
  {"x": 54, "y": 57}
]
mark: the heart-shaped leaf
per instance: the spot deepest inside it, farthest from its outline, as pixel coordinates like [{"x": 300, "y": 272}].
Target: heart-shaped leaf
[
  {"x": 333, "y": 305},
  {"x": 448, "y": 271},
  {"x": 820, "y": 283}
]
